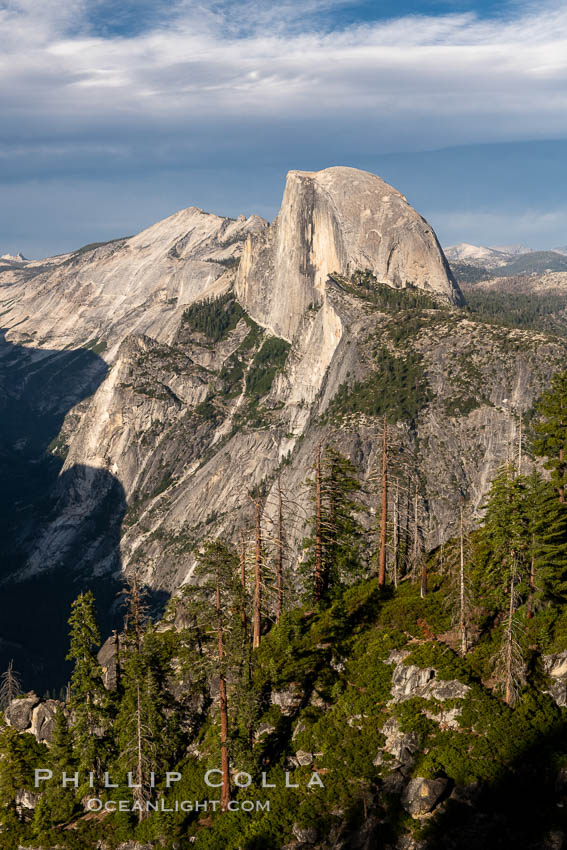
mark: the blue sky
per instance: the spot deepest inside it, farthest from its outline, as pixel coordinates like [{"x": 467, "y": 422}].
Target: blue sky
[{"x": 115, "y": 114}]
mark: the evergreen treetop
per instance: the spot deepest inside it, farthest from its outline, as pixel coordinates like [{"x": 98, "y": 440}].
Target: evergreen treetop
[{"x": 551, "y": 431}]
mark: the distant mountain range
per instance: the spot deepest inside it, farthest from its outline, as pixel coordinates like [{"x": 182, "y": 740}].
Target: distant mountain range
[
  {"x": 464, "y": 252},
  {"x": 12, "y": 259},
  {"x": 482, "y": 261}
]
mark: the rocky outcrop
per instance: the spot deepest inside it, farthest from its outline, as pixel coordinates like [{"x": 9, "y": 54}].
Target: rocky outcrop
[
  {"x": 409, "y": 681},
  {"x": 287, "y": 701},
  {"x": 263, "y": 730},
  {"x": 555, "y": 666},
  {"x": 305, "y": 834},
  {"x": 34, "y": 715},
  {"x": 134, "y": 845},
  {"x": 400, "y": 745},
  {"x": 26, "y": 800},
  {"x": 422, "y": 795},
  {"x": 337, "y": 220},
  {"x": 396, "y": 757},
  {"x": 19, "y": 713},
  {"x": 108, "y": 658},
  {"x": 43, "y": 720}
]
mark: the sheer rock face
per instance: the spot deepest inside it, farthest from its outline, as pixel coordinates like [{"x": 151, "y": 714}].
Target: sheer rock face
[
  {"x": 173, "y": 436},
  {"x": 337, "y": 220}
]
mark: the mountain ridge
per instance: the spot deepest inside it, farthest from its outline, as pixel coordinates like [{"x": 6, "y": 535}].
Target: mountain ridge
[{"x": 220, "y": 373}]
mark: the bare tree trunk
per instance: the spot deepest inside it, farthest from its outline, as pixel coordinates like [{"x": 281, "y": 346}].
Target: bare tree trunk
[
  {"x": 243, "y": 576},
  {"x": 384, "y": 513},
  {"x": 423, "y": 570},
  {"x": 509, "y": 693},
  {"x": 520, "y": 446},
  {"x": 225, "y": 788},
  {"x": 279, "y": 556},
  {"x": 318, "y": 530},
  {"x": 136, "y": 611},
  {"x": 462, "y": 601},
  {"x": 257, "y": 617},
  {"x": 396, "y": 533},
  {"x": 415, "y": 534},
  {"x": 423, "y": 580},
  {"x": 117, "y": 659}
]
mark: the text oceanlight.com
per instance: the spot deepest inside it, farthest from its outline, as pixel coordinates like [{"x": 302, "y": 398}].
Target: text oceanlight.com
[{"x": 96, "y": 805}]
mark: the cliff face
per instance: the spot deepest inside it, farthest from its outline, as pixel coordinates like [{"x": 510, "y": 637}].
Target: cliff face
[
  {"x": 193, "y": 415},
  {"x": 337, "y": 220},
  {"x": 188, "y": 442}
]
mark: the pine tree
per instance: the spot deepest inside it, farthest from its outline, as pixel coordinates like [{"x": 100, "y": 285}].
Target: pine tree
[
  {"x": 88, "y": 699},
  {"x": 526, "y": 524},
  {"x": 318, "y": 577},
  {"x": 416, "y": 555},
  {"x": 238, "y": 643},
  {"x": 138, "y": 735},
  {"x": 280, "y": 545},
  {"x": 510, "y": 667},
  {"x": 384, "y": 509},
  {"x": 242, "y": 557},
  {"x": 57, "y": 804},
  {"x": 61, "y": 752},
  {"x": 502, "y": 562},
  {"x": 220, "y": 596},
  {"x": 146, "y": 727},
  {"x": 521, "y": 554},
  {"x": 12, "y": 778},
  {"x": 457, "y": 558},
  {"x": 551, "y": 431},
  {"x": 334, "y": 547},
  {"x": 546, "y": 541},
  {"x": 503, "y": 541}
]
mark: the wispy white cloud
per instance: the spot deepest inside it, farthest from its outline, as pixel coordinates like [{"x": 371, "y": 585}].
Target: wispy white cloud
[
  {"x": 253, "y": 84},
  {"x": 443, "y": 79}
]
